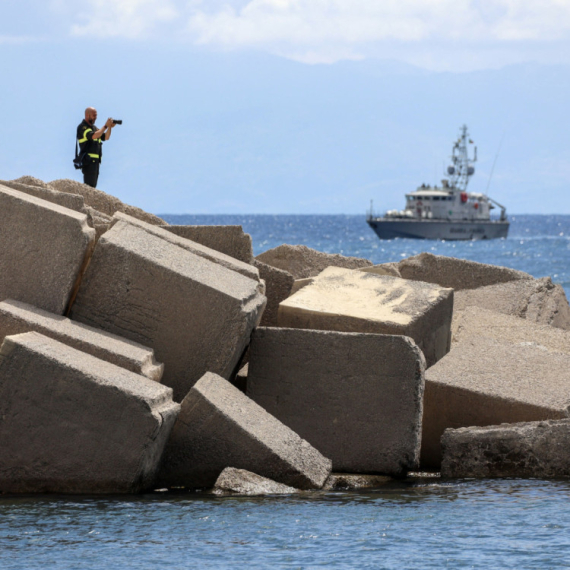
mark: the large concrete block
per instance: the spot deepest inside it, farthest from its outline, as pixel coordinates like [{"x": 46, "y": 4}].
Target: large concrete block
[
  {"x": 103, "y": 202},
  {"x": 486, "y": 381},
  {"x": 220, "y": 427},
  {"x": 356, "y": 397},
  {"x": 241, "y": 482},
  {"x": 278, "y": 285},
  {"x": 230, "y": 240},
  {"x": 44, "y": 248},
  {"x": 72, "y": 423},
  {"x": 354, "y": 301},
  {"x": 537, "y": 300},
  {"x": 17, "y": 318},
  {"x": 302, "y": 261},
  {"x": 71, "y": 201},
  {"x": 195, "y": 314},
  {"x": 456, "y": 273},
  {"x": 197, "y": 249},
  {"x": 534, "y": 449}
]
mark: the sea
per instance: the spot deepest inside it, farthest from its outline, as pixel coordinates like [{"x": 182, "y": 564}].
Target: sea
[{"x": 419, "y": 522}]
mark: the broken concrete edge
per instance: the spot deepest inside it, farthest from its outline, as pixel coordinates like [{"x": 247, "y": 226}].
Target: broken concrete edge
[
  {"x": 232, "y": 482},
  {"x": 210, "y": 254}
]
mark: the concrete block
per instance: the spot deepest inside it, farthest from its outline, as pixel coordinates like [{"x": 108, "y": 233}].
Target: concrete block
[
  {"x": 384, "y": 269},
  {"x": 197, "y": 249},
  {"x": 17, "y": 318},
  {"x": 278, "y": 284},
  {"x": 72, "y": 201},
  {"x": 533, "y": 449},
  {"x": 72, "y": 423},
  {"x": 220, "y": 427},
  {"x": 456, "y": 273},
  {"x": 353, "y": 301},
  {"x": 302, "y": 261},
  {"x": 103, "y": 202},
  {"x": 195, "y": 314},
  {"x": 230, "y": 240},
  {"x": 351, "y": 481},
  {"x": 357, "y": 398},
  {"x": 486, "y": 381},
  {"x": 537, "y": 300},
  {"x": 44, "y": 250},
  {"x": 241, "y": 482}
]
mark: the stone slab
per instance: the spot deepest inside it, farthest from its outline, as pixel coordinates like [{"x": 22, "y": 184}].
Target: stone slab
[
  {"x": 241, "y": 482},
  {"x": 44, "y": 250},
  {"x": 456, "y": 273},
  {"x": 197, "y": 249},
  {"x": 278, "y": 285},
  {"x": 103, "y": 202},
  {"x": 220, "y": 427},
  {"x": 353, "y": 301},
  {"x": 537, "y": 300},
  {"x": 486, "y": 381},
  {"x": 530, "y": 450},
  {"x": 384, "y": 269},
  {"x": 229, "y": 240},
  {"x": 357, "y": 398},
  {"x": 302, "y": 261},
  {"x": 351, "y": 481},
  {"x": 72, "y": 423},
  {"x": 72, "y": 201},
  {"x": 17, "y": 317},
  {"x": 195, "y": 314}
]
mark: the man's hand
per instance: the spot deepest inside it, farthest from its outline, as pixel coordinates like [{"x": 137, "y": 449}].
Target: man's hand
[{"x": 109, "y": 124}]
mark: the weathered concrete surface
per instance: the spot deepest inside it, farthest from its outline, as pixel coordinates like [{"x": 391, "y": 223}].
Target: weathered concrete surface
[
  {"x": 195, "y": 314},
  {"x": 241, "y": 482},
  {"x": 384, "y": 269},
  {"x": 356, "y": 397},
  {"x": 230, "y": 240},
  {"x": 456, "y": 273},
  {"x": 349, "y": 481},
  {"x": 71, "y": 201},
  {"x": 197, "y": 249},
  {"x": 533, "y": 449},
  {"x": 43, "y": 252},
  {"x": 219, "y": 427},
  {"x": 30, "y": 181},
  {"x": 298, "y": 284},
  {"x": 537, "y": 300},
  {"x": 486, "y": 381},
  {"x": 72, "y": 423},
  {"x": 17, "y": 317},
  {"x": 353, "y": 301},
  {"x": 103, "y": 202},
  {"x": 278, "y": 285},
  {"x": 302, "y": 261},
  {"x": 474, "y": 322}
]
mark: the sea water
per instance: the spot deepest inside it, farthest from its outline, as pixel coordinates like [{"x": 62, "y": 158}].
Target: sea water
[{"x": 415, "y": 523}]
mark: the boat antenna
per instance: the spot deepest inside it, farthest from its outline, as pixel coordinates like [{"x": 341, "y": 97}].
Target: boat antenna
[{"x": 495, "y": 162}]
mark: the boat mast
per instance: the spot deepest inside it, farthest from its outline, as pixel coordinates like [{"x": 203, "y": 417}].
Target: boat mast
[{"x": 462, "y": 168}]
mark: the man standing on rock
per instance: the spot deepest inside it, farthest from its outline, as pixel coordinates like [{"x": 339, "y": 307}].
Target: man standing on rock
[{"x": 90, "y": 139}]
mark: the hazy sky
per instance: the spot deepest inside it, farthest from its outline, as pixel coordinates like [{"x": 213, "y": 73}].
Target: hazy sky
[{"x": 290, "y": 106}]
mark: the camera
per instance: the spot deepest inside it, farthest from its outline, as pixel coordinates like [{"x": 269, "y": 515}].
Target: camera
[{"x": 117, "y": 122}]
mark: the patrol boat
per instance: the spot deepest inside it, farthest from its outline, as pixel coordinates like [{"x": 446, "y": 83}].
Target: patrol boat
[{"x": 448, "y": 212}]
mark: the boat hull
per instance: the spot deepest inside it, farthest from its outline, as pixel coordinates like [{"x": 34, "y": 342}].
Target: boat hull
[{"x": 438, "y": 229}]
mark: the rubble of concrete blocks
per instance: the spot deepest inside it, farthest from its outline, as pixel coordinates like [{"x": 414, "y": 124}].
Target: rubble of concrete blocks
[
  {"x": 234, "y": 481},
  {"x": 355, "y": 397},
  {"x": 221, "y": 427},
  {"x": 529, "y": 449},
  {"x": 196, "y": 314},
  {"x": 302, "y": 261},
  {"x": 73, "y": 423},
  {"x": 353, "y": 301},
  {"x": 278, "y": 287},
  {"x": 229, "y": 240}
]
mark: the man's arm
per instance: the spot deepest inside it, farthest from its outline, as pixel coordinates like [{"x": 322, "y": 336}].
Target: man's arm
[{"x": 106, "y": 127}]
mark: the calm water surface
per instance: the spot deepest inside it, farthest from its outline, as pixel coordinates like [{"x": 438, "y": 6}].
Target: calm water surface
[{"x": 424, "y": 523}]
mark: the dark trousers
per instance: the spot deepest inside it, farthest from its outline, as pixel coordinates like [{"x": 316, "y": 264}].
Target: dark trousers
[{"x": 91, "y": 173}]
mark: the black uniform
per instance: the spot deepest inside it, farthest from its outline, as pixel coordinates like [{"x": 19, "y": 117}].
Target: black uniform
[{"x": 93, "y": 149}]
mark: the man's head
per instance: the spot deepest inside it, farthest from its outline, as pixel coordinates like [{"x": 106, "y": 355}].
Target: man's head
[{"x": 91, "y": 115}]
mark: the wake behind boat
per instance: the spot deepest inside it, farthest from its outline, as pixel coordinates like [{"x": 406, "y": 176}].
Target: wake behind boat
[{"x": 448, "y": 212}]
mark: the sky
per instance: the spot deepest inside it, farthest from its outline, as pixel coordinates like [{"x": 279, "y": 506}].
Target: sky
[{"x": 290, "y": 106}]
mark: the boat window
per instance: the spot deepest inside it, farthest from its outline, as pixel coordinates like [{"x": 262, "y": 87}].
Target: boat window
[{"x": 436, "y": 197}]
